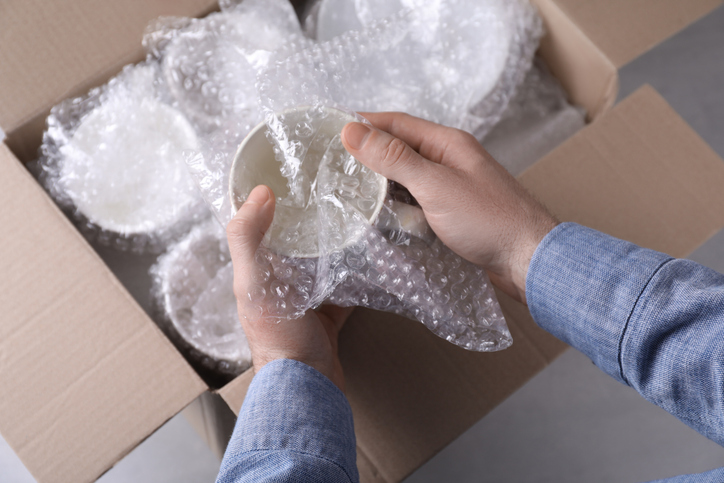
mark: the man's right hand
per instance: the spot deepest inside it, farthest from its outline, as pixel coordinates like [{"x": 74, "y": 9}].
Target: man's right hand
[{"x": 471, "y": 202}]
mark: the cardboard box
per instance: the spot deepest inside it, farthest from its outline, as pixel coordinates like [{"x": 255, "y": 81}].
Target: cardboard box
[{"x": 85, "y": 375}]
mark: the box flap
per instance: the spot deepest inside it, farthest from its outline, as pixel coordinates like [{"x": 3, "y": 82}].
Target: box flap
[
  {"x": 85, "y": 375},
  {"x": 639, "y": 173},
  {"x": 625, "y": 29},
  {"x": 412, "y": 393},
  {"x": 91, "y": 41},
  {"x": 587, "y": 41}
]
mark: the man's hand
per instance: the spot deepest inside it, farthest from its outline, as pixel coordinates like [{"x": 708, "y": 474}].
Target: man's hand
[
  {"x": 471, "y": 202},
  {"x": 311, "y": 339}
]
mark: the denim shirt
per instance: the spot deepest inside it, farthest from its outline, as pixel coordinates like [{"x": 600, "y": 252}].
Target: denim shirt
[{"x": 650, "y": 321}]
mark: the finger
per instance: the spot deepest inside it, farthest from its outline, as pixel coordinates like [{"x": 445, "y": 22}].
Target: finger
[
  {"x": 387, "y": 155},
  {"x": 429, "y": 139},
  {"x": 246, "y": 231}
]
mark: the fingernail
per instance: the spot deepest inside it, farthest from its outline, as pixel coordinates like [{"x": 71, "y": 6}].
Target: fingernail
[
  {"x": 258, "y": 195},
  {"x": 356, "y": 134}
]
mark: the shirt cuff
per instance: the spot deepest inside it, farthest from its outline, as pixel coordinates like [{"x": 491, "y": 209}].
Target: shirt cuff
[
  {"x": 292, "y": 407},
  {"x": 582, "y": 286}
]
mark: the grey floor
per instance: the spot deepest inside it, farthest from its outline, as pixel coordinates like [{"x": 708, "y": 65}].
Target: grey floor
[{"x": 570, "y": 423}]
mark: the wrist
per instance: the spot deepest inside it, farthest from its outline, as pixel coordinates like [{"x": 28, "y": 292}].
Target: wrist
[{"x": 524, "y": 254}]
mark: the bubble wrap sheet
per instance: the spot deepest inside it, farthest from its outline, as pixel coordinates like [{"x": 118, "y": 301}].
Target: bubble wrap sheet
[
  {"x": 341, "y": 233},
  {"x": 195, "y": 303},
  {"x": 455, "y": 62},
  {"x": 211, "y": 64},
  {"x": 114, "y": 160},
  {"x": 338, "y": 236}
]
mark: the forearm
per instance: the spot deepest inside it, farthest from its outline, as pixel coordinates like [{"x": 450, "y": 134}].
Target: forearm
[
  {"x": 295, "y": 425},
  {"x": 650, "y": 321}
]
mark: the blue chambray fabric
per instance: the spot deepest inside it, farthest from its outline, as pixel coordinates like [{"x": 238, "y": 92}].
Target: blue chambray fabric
[
  {"x": 648, "y": 320},
  {"x": 295, "y": 426},
  {"x": 713, "y": 476}
]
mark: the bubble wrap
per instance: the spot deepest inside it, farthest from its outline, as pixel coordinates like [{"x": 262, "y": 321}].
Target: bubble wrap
[
  {"x": 210, "y": 64},
  {"x": 367, "y": 250},
  {"x": 455, "y": 62},
  {"x": 196, "y": 307},
  {"x": 340, "y": 233},
  {"x": 114, "y": 160}
]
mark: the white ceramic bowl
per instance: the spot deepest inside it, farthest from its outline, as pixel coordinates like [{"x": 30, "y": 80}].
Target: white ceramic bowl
[
  {"x": 123, "y": 167},
  {"x": 295, "y": 230}
]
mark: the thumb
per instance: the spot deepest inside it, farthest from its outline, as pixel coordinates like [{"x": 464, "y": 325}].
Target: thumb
[
  {"x": 247, "y": 228},
  {"x": 387, "y": 155}
]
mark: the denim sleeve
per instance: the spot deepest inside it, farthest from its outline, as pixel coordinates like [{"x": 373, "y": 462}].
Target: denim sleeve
[
  {"x": 295, "y": 426},
  {"x": 713, "y": 476},
  {"x": 648, "y": 320}
]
